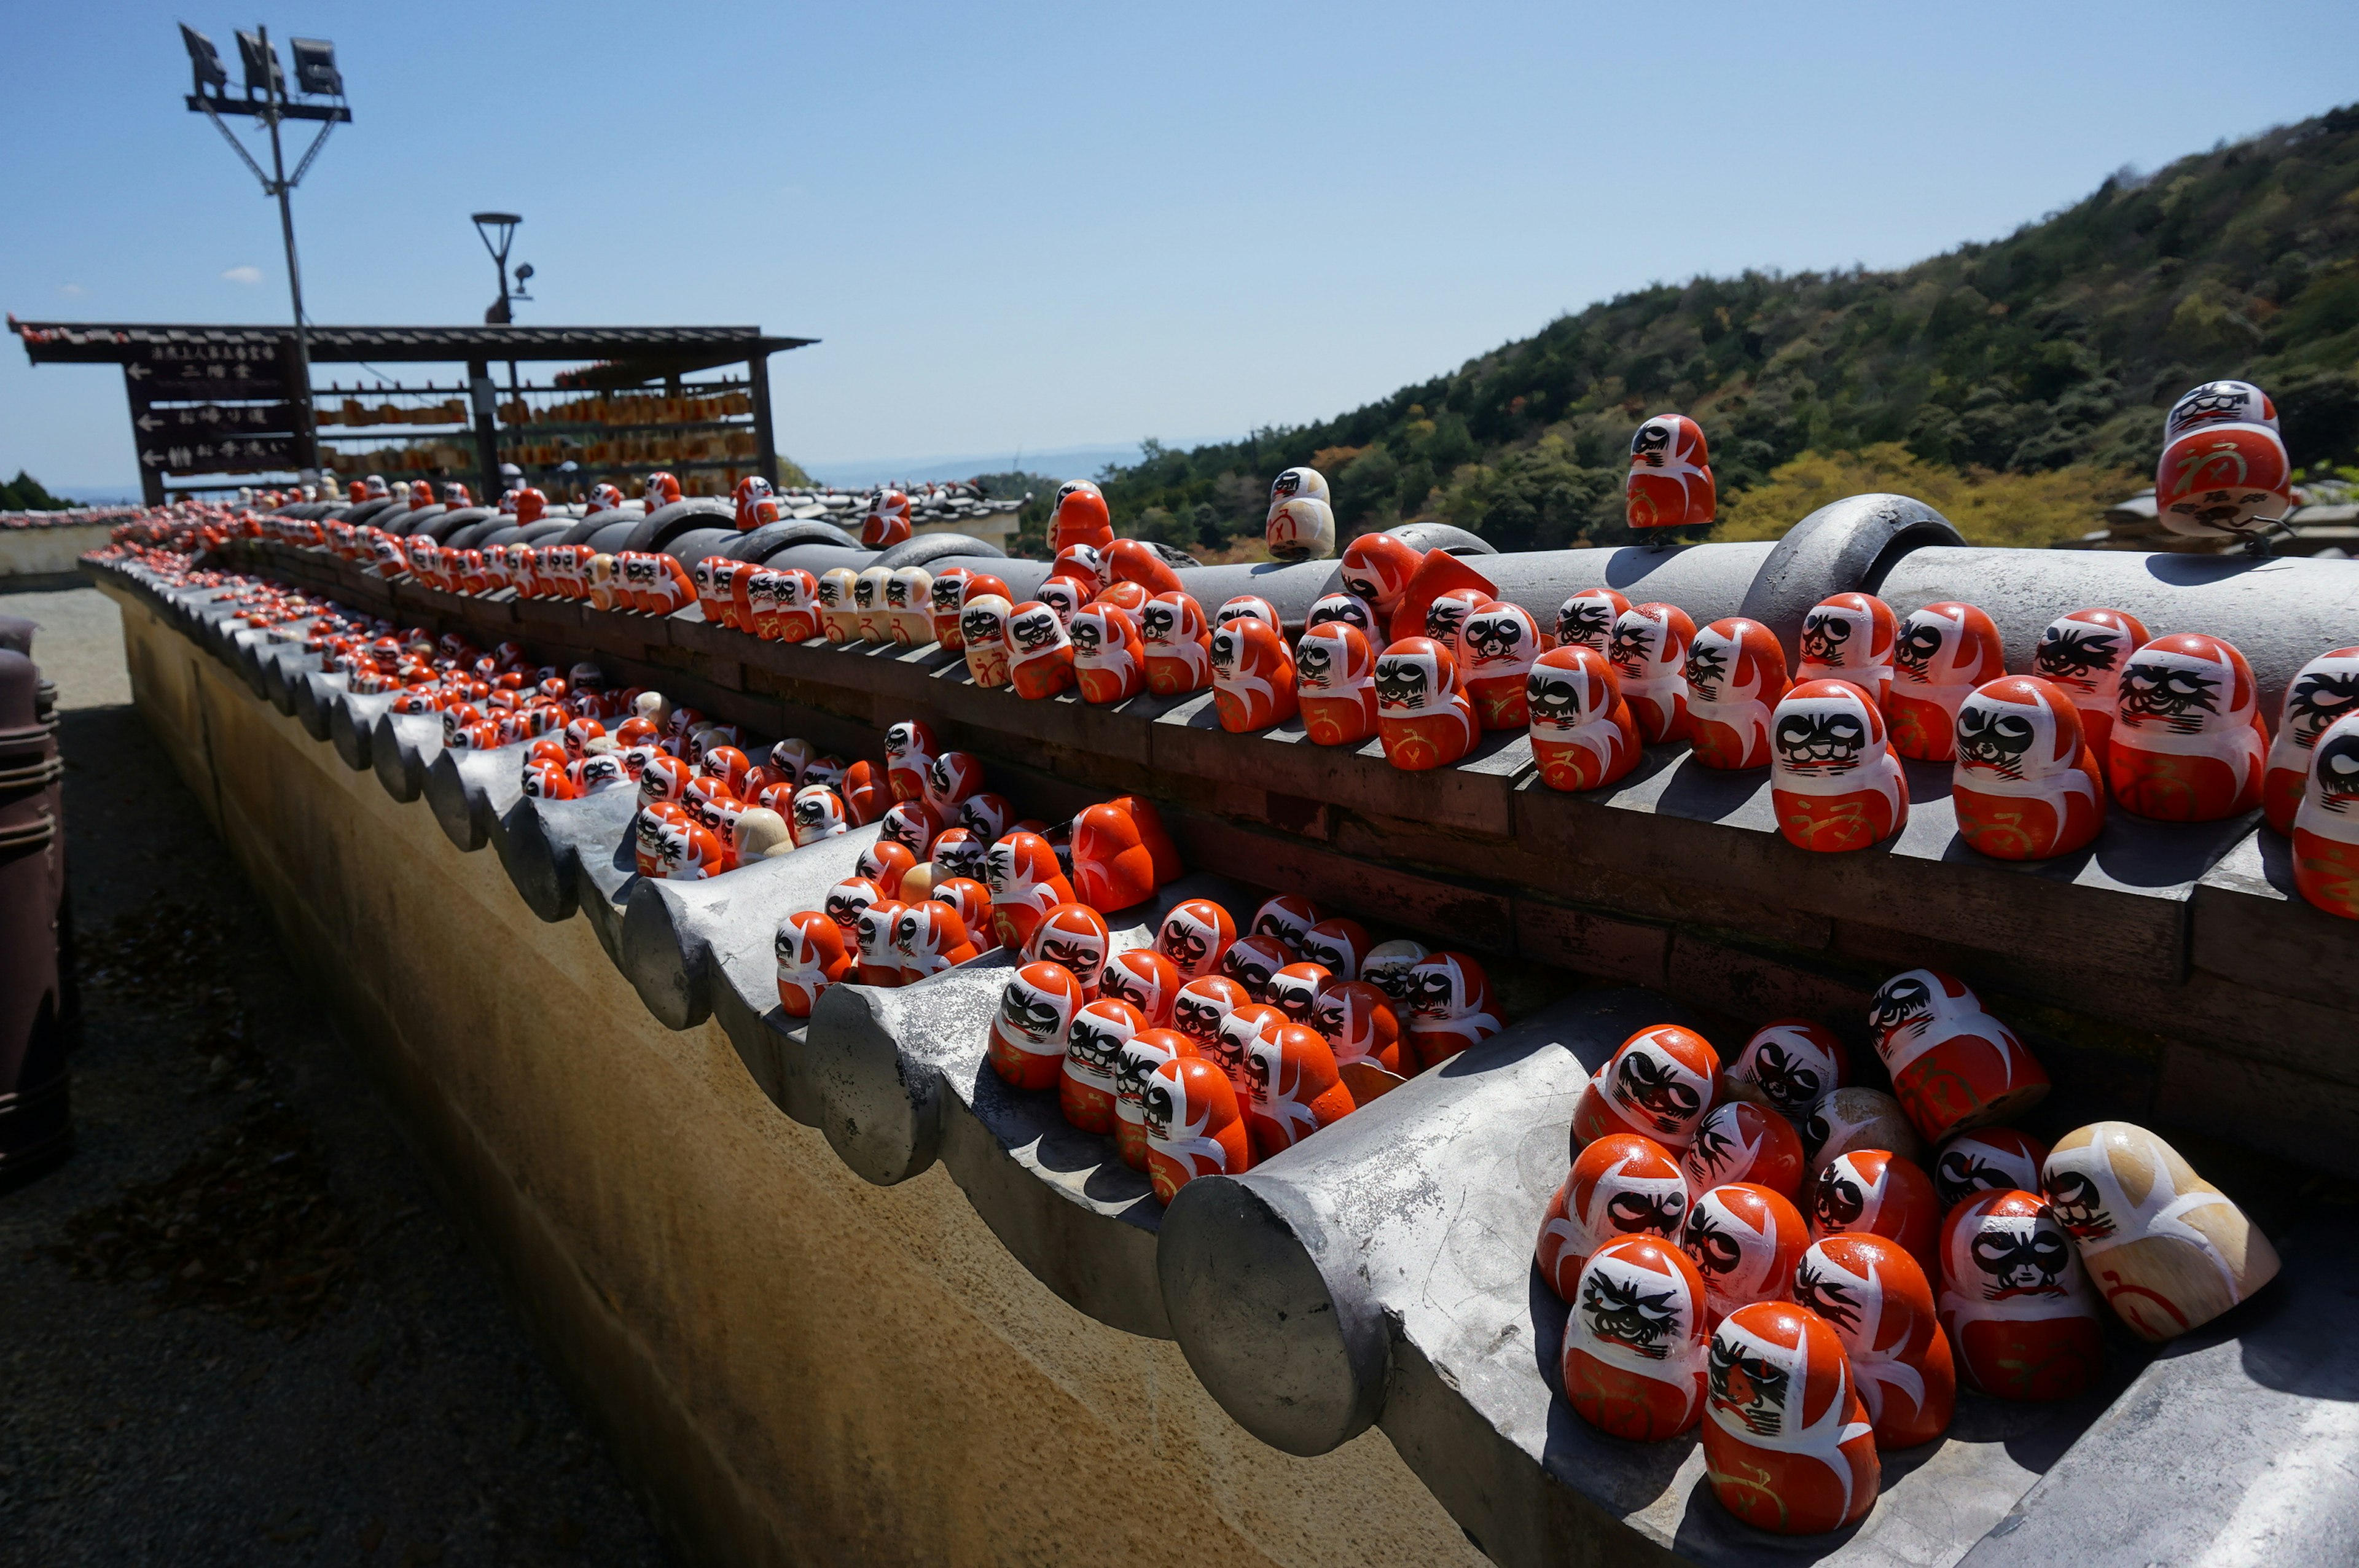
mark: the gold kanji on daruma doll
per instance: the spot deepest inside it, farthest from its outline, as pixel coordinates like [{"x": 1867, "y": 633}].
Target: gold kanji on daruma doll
[
  {"x": 2169, "y": 1250},
  {"x": 1952, "y": 1065}
]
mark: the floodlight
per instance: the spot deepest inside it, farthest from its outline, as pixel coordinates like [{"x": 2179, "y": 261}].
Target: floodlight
[
  {"x": 263, "y": 76},
  {"x": 204, "y": 60},
  {"x": 315, "y": 67},
  {"x": 524, "y": 272}
]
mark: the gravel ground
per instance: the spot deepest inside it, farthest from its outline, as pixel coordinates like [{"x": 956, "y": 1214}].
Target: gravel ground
[{"x": 243, "y": 1329}]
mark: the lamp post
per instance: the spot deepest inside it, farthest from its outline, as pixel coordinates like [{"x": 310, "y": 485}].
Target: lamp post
[{"x": 316, "y": 77}]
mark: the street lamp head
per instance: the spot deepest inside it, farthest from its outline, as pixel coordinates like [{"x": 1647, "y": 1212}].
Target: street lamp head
[
  {"x": 315, "y": 68},
  {"x": 509, "y": 218},
  {"x": 263, "y": 76},
  {"x": 524, "y": 272},
  {"x": 204, "y": 60}
]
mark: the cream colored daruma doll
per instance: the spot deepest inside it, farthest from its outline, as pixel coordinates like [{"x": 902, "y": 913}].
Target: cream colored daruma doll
[
  {"x": 2025, "y": 785},
  {"x": 1622, "y": 1185},
  {"x": 839, "y": 619},
  {"x": 1880, "y": 1305},
  {"x": 1423, "y": 715},
  {"x": 1850, "y": 637},
  {"x": 1787, "y": 1442},
  {"x": 1649, "y": 656},
  {"x": 1735, "y": 673},
  {"x": 2187, "y": 744},
  {"x": 2169, "y": 1250},
  {"x": 871, "y": 611},
  {"x": 983, "y": 625},
  {"x": 2326, "y": 690},
  {"x": 1833, "y": 780},
  {"x": 2018, "y": 1310},
  {"x": 1944, "y": 652},
  {"x": 1583, "y": 736},
  {"x": 2084, "y": 652},
  {"x": 2326, "y": 826},
  {"x": 1634, "y": 1342}
]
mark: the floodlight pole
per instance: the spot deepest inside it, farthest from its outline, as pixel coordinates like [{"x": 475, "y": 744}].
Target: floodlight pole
[{"x": 307, "y": 453}]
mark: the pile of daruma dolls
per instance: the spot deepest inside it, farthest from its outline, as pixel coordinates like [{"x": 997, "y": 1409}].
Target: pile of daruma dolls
[
  {"x": 1762, "y": 1249},
  {"x": 1221, "y": 1043}
]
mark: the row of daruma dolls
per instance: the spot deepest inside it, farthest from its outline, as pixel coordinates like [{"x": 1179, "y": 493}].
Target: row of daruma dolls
[
  {"x": 1701, "y": 1293},
  {"x": 1210, "y": 1049}
]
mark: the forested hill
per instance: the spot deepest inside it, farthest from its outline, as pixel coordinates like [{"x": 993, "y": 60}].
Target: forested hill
[{"x": 2039, "y": 362}]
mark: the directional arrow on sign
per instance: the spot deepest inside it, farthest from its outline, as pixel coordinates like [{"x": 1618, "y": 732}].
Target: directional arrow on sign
[
  {"x": 136, "y": 372},
  {"x": 148, "y": 422}
]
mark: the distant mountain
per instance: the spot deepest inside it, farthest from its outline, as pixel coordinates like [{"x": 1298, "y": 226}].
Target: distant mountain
[
  {"x": 2055, "y": 349},
  {"x": 1068, "y": 462}
]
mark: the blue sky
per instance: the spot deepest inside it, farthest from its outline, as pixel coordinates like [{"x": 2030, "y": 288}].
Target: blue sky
[{"x": 1058, "y": 226}]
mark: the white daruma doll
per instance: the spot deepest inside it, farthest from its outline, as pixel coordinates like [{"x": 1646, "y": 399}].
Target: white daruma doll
[
  {"x": 1849, "y": 636},
  {"x": 1735, "y": 673},
  {"x": 1634, "y": 1341},
  {"x": 2326, "y": 690},
  {"x": 2187, "y": 744},
  {"x": 2015, "y": 1302},
  {"x": 1300, "y": 528},
  {"x": 1787, "y": 1442},
  {"x": 1879, "y": 1301},
  {"x": 2326, "y": 824},
  {"x": 983, "y": 626},
  {"x": 2084, "y": 652},
  {"x": 2169, "y": 1250},
  {"x": 2025, "y": 785},
  {"x": 1944, "y": 652},
  {"x": 1621, "y": 1184},
  {"x": 1583, "y": 734},
  {"x": 1649, "y": 656},
  {"x": 1833, "y": 780}
]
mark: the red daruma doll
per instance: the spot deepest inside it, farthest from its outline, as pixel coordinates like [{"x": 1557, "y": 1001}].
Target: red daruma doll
[
  {"x": 1850, "y": 637},
  {"x": 1496, "y": 646},
  {"x": 1335, "y": 684},
  {"x": 1586, "y": 620},
  {"x": 1253, "y": 676},
  {"x": 1833, "y": 777},
  {"x": 1094, "y": 1043},
  {"x": 1039, "y": 653},
  {"x": 1669, "y": 483},
  {"x": 1659, "y": 1084},
  {"x": 1745, "y": 1240},
  {"x": 2326, "y": 690},
  {"x": 1109, "y": 660},
  {"x": 2025, "y": 786},
  {"x": 2084, "y": 654},
  {"x": 1787, "y": 1443},
  {"x": 1735, "y": 673},
  {"x": 1179, "y": 644},
  {"x": 1944, "y": 652},
  {"x": 1622, "y": 1185},
  {"x": 1194, "y": 1126},
  {"x": 1028, "y": 1034},
  {"x": 1081, "y": 517},
  {"x": 2326, "y": 824},
  {"x": 2224, "y": 473},
  {"x": 1635, "y": 1345},
  {"x": 811, "y": 957},
  {"x": 1423, "y": 715},
  {"x": 1293, "y": 1087},
  {"x": 1880, "y": 1305},
  {"x": 2015, "y": 1302},
  {"x": 1378, "y": 567},
  {"x": 1650, "y": 657},
  {"x": 1583, "y": 734},
  {"x": 2187, "y": 744},
  {"x": 1953, "y": 1066},
  {"x": 1140, "y": 1055}
]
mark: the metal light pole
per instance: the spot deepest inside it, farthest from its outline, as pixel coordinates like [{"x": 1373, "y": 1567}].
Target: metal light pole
[{"x": 316, "y": 76}]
